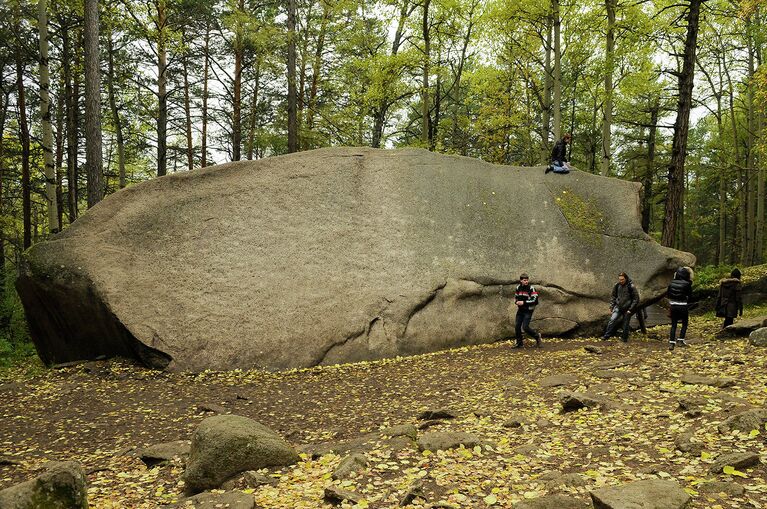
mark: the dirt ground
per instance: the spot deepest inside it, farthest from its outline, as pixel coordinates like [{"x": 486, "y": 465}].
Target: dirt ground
[{"x": 102, "y": 413}]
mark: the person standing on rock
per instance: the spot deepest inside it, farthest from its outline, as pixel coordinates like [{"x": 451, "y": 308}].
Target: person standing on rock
[
  {"x": 526, "y": 298},
  {"x": 729, "y": 302},
  {"x": 625, "y": 299},
  {"x": 559, "y": 156},
  {"x": 679, "y": 293}
]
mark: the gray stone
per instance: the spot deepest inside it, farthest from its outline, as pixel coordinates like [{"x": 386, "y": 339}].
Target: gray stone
[
  {"x": 684, "y": 443},
  {"x": 615, "y": 363},
  {"x": 413, "y": 492},
  {"x": 745, "y": 422},
  {"x": 160, "y": 453},
  {"x": 401, "y": 251},
  {"x": 336, "y": 496},
  {"x": 249, "y": 479},
  {"x": 737, "y": 460},
  {"x": 758, "y": 337},
  {"x": 441, "y": 440},
  {"x": 437, "y": 413},
  {"x": 558, "y": 380},
  {"x": 742, "y": 328},
  {"x": 232, "y": 500},
  {"x": 594, "y": 349},
  {"x": 516, "y": 421},
  {"x": 211, "y": 407},
  {"x": 565, "y": 480},
  {"x": 225, "y": 445},
  {"x": 614, "y": 373},
  {"x": 551, "y": 502},
  {"x": 693, "y": 379},
  {"x": 729, "y": 489},
  {"x": 525, "y": 449},
  {"x": 576, "y": 400},
  {"x": 353, "y": 463},
  {"x": 61, "y": 486},
  {"x": 401, "y": 430},
  {"x": 648, "y": 494}
]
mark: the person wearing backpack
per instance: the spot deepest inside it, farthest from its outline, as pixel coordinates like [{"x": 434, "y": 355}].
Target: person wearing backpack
[
  {"x": 525, "y": 298},
  {"x": 679, "y": 293},
  {"x": 625, "y": 299}
]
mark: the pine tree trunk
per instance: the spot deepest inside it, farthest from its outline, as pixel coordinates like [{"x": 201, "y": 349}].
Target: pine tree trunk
[
  {"x": 205, "y": 77},
  {"x": 239, "y": 55},
  {"x": 608, "y": 104},
  {"x": 292, "y": 99},
  {"x": 548, "y": 74},
  {"x": 72, "y": 93},
  {"x": 751, "y": 171},
  {"x": 760, "y": 191},
  {"x": 674, "y": 197},
  {"x": 26, "y": 207},
  {"x": 60, "y": 130},
  {"x": 116, "y": 116},
  {"x": 647, "y": 181},
  {"x": 93, "y": 164},
  {"x": 557, "y": 84},
  {"x": 188, "y": 116},
  {"x": 254, "y": 111},
  {"x": 425, "y": 126},
  {"x": 316, "y": 69},
  {"x": 162, "y": 90},
  {"x": 45, "y": 115}
]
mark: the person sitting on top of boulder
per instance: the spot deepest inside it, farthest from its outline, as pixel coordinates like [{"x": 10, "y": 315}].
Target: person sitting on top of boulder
[
  {"x": 679, "y": 293},
  {"x": 729, "y": 302},
  {"x": 625, "y": 299},
  {"x": 526, "y": 298},
  {"x": 559, "y": 156}
]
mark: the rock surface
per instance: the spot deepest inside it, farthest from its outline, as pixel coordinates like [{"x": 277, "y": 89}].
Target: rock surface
[
  {"x": 745, "y": 422},
  {"x": 218, "y": 501},
  {"x": 551, "y": 502},
  {"x": 649, "y": 494},
  {"x": 758, "y": 337},
  {"x": 225, "y": 445},
  {"x": 442, "y": 440},
  {"x": 333, "y": 255},
  {"x": 737, "y": 460},
  {"x": 159, "y": 453},
  {"x": 61, "y": 486},
  {"x": 742, "y": 328}
]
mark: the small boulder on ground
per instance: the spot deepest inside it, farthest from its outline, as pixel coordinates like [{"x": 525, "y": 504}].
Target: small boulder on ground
[
  {"x": 729, "y": 489},
  {"x": 647, "y": 494},
  {"x": 353, "y": 463},
  {"x": 442, "y": 440},
  {"x": 742, "y": 328},
  {"x": 758, "y": 337},
  {"x": 233, "y": 500},
  {"x": 61, "y": 486},
  {"x": 225, "y": 445},
  {"x": 249, "y": 480},
  {"x": 693, "y": 379},
  {"x": 336, "y": 496},
  {"x": 576, "y": 400},
  {"x": 166, "y": 451},
  {"x": 558, "y": 380},
  {"x": 684, "y": 443},
  {"x": 437, "y": 413},
  {"x": 737, "y": 460},
  {"x": 551, "y": 502},
  {"x": 745, "y": 421}
]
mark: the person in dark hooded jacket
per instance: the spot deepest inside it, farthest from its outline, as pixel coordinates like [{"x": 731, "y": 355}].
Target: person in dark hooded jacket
[
  {"x": 559, "y": 156},
  {"x": 729, "y": 302},
  {"x": 625, "y": 299},
  {"x": 679, "y": 293}
]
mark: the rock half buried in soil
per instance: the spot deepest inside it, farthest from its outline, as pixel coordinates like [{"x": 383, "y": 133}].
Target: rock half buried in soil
[
  {"x": 225, "y": 445},
  {"x": 333, "y": 255},
  {"x": 61, "y": 485},
  {"x": 649, "y": 494}
]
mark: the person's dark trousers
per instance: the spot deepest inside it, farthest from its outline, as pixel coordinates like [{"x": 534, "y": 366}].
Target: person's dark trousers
[
  {"x": 523, "y": 322},
  {"x": 616, "y": 317},
  {"x": 728, "y": 321},
  {"x": 678, "y": 314}
]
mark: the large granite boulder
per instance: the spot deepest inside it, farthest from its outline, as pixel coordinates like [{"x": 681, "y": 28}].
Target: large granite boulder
[
  {"x": 61, "y": 486},
  {"x": 334, "y": 255}
]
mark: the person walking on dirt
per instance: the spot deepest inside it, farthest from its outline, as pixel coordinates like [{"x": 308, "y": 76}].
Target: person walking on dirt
[
  {"x": 559, "y": 156},
  {"x": 729, "y": 301},
  {"x": 679, "y": 293},
  {"x": 625, "y": 299},
  {"x": 526, "y": 298}
]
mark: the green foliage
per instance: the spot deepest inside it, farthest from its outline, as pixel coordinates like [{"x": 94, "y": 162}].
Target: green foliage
[{"x": 15, "y": 343}]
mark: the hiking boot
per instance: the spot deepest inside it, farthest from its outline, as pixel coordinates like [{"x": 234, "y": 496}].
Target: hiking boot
[
  {"x": 671, "y": 345},
  {"x": 548, "y": 169},
  {"x": 681, "y": 342},
  {"x": 625, "y": 340},
  {"x": 517, "y": 345},
  {"x": 538, "y": 341}
]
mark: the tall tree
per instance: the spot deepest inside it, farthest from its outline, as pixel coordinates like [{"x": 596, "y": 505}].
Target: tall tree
[
  {"x": 292, "y": 92},
  {"x": 676, "y": 176},
  {"x": 45, "y": 115},
  {"x": 93, "y": 164}
]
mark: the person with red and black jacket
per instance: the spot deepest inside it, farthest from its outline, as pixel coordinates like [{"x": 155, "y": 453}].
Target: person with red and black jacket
[
  {"x": 624, "y": 301},
  {"x": 526, "y": 298}
]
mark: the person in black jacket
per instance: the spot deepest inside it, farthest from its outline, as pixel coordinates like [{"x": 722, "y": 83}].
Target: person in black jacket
[
  {"x": 559, "y": 156},
  {"x": 679, "y": 293},
  {"x": 526, "y": 298},
  {"x": 625, "y": 299},
  {"x": 729, "y": 302}
]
